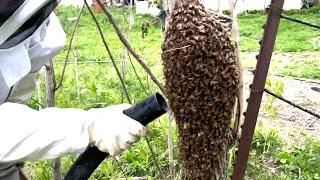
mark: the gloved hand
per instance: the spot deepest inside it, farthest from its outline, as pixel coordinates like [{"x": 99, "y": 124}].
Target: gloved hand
[{"x": 111, "y": 131}]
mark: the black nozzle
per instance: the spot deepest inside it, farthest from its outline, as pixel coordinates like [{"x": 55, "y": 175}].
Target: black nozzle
[{"x": 148, "y": 110}]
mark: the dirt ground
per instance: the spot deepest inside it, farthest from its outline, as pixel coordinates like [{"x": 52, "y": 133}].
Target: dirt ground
[{"x": 293, "y": 124}]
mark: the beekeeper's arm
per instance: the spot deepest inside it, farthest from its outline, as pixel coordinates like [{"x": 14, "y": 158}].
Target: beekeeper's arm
[{"x": 27, "y": 134}]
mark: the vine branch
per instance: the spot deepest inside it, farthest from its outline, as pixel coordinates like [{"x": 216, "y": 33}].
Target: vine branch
[
  {"x": 129, "y": 47},
  {"x": 109, "y": 52},
  {"x": 69, "y": 49}
]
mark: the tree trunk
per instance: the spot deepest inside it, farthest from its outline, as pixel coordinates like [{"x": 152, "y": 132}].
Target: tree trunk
[
  {"x": 170, "y": 145},
  {"x": 50, "y": 92},
  {"x": 50, "y": 84},
  {"x": 219, "y": 7},
  {"x": 235, "y": 34},
  {"x": 220, "y": 172}
]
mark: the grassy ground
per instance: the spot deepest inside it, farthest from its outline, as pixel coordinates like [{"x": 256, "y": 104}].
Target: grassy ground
[
  {"x": 98, "y": 86},
  {"x": 292, "y": 37},
  {"x": 307, "y": 69},
  {"x": 297, "y": 64}
]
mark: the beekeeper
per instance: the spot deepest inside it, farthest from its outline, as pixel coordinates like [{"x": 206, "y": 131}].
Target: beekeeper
[{"x": 30, "y": 34}]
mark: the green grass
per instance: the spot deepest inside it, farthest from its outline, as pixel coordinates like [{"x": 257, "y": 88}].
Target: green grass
[
  {"x": 297, "y": 162},
  {"x": 292, "y": 37},
  {"x": 98, "y": 86},
  {"x": 304, "y": 69},
  {"x": 89, "y": 43}
]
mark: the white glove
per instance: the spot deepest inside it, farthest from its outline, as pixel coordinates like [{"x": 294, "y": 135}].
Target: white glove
[{"x": 112, "y": 132}]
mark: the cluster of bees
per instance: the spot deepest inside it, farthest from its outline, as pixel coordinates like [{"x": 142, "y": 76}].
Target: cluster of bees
[{"x": 202, "y": 80}]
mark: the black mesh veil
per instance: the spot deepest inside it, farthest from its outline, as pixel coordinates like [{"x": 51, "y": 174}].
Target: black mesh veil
[{"x": 8, "y": 7}]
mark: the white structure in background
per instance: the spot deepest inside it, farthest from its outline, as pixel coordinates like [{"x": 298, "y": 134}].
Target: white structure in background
[
  {"x": 243, "y": 5},
  {"x": 142, "y": 7},
  {"x": 74, "y": 2}
]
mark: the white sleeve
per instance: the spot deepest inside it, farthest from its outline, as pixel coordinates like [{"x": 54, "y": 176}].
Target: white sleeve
[{"x": 27, "y": 134}]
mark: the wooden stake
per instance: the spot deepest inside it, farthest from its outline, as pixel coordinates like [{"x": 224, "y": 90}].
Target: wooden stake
[
  {"x": 236, "y": 36},
  {"x": 170, "y": 145},
  {"x": 50, "y": 98}
]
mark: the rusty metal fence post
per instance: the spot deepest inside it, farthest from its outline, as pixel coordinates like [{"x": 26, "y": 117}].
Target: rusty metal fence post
[{"x": 257, "y": 87}]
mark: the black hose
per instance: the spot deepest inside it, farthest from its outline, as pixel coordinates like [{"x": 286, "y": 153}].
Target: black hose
[{"x": 144, "y": 112}]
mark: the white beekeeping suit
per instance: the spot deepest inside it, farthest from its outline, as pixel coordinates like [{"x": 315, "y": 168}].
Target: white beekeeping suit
[{"x": 29, "y": 36}]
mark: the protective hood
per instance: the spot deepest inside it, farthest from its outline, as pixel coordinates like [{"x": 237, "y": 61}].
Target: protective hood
[{"x": 21, "y": 18}]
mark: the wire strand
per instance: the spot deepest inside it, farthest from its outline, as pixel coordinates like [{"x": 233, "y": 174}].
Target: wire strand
[
  {"x": 300, "y": 21},
  {"x": 292, "y": 104}
]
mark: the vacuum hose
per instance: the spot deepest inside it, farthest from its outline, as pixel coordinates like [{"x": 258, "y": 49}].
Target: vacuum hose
[{"x": 144, "y": 112}]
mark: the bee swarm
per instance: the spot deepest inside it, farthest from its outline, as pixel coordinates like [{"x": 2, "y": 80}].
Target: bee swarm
[{"x": 201, "y": 85}]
